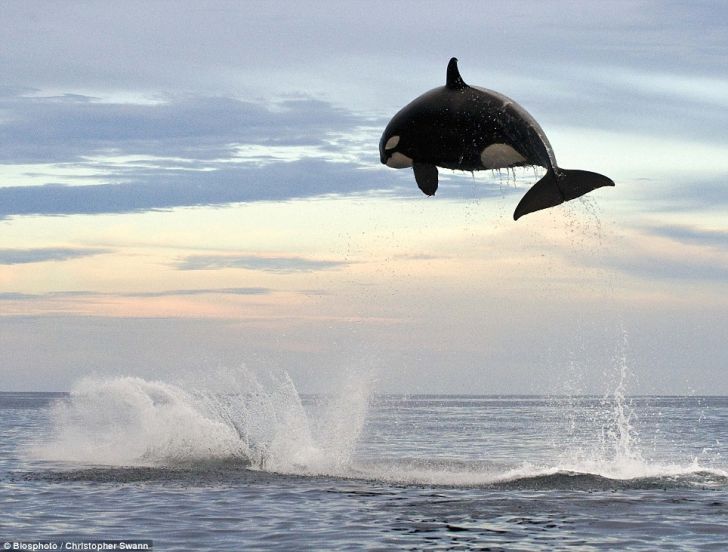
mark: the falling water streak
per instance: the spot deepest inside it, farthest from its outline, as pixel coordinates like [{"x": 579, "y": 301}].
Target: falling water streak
[{"x": 623, "y": 433}]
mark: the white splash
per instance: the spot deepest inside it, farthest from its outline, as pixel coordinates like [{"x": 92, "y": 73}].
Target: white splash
[
  {"x": 132, "y": 421},
  {"x": 233, "y": 416}
]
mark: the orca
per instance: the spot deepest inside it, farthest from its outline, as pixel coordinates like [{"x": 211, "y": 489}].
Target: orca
[{"x": 469, "y": 128}]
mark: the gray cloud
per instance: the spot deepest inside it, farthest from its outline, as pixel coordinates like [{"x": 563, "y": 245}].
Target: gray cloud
[
  {"x": 279, "y": 265},
  {"x": 209, "y": 291},
  {"x": 159, "y": 189},
  {"x": 655, "y": 267},
  {"x": 13, "y": 296},
  {"x": 17, "y": 296},
  {"x": 190, "y": 153},
  {"x": 681, "y": 195},
  {"x": 45, "y": 254},
  {"x": 72, "y": 127},
  {"x": 595, "y": 101},
  {"x": 692, "y": 236},
  {"x": 689, "y": 263}
]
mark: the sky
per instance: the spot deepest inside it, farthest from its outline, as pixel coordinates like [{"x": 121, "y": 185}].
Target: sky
[{"x": 188, "y": 186}]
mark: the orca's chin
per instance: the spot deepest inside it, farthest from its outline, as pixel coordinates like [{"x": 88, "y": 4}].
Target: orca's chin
[{"x": 398, "y": 161}]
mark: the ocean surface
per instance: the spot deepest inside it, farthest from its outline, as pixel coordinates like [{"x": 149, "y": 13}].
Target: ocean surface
[{"x": 253, "y": 465}]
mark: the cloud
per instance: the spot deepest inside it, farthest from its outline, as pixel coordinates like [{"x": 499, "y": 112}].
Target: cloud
[
  {"x": 162, "y": 189},
  {"x": 243, "y": 291},
  {"x": 209, "y": 291},
  {"x": 659, "y": 267},
  {"x": 193, "y": 151},
  {"x": 12, "y": 296},
  {"x": 72, "y": 127},
  {"x": 682, "y": 193},
  {"x": 159, "y": 189},
  {"x": 278, "y": 265},
  {"x": 666, "y": 254},
  {"x": 45, "y": 254},
  {"x": 692, "y": 235},
  {"x": 18, "y": 296}
]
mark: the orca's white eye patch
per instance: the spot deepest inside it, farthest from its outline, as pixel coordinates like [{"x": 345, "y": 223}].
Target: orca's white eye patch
[{"x": 391, "y": 143}]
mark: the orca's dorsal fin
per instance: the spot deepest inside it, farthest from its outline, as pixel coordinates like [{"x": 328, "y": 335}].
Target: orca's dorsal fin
[{"x": 454, "y": 80}]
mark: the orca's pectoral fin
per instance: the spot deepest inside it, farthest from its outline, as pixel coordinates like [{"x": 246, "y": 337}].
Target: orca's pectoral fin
[
  {"x": 426, "y": 177},
  {"x": 553, "y": 190}
]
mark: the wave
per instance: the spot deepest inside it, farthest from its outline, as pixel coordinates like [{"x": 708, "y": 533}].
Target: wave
[
  {"x": 542, "y": 477},
  {"x": 446, "y": 475},
  {"x": 569, "y": 480}
]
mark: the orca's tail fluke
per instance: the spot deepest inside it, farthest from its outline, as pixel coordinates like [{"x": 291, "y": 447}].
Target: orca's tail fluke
[{"x": 558, "y": 186}]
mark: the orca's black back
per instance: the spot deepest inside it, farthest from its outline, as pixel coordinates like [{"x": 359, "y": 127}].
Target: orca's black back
[{"x": 450, "y": 128}]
